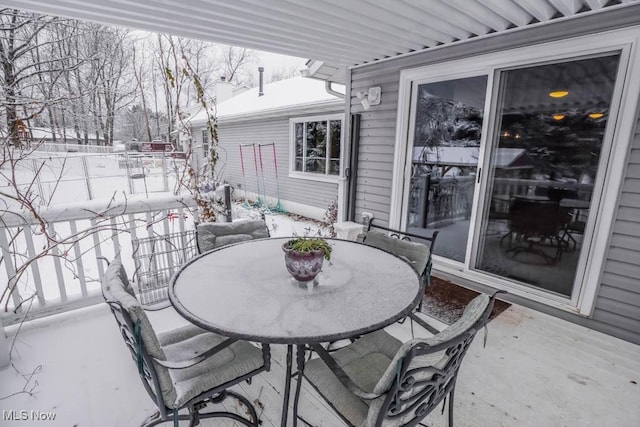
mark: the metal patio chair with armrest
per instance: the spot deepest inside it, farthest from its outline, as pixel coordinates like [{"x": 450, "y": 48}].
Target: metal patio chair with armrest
[
  {"x": 418, "y": 254},
  {"x": 156, "y": 258},
  {"x": 212, "y": 235},
  {"x": 380, "y": 381},
  {"x": 186, "y": 368}
]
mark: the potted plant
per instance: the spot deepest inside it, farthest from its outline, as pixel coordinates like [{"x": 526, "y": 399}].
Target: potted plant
[{"x": 303, "y": 257}]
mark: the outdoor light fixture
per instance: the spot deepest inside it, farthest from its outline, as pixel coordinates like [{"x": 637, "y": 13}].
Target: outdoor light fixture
[
  {"x": 370, "y": 97},
  {"x": 558, "y": 117},
  {"x": 596, "y": 115}
]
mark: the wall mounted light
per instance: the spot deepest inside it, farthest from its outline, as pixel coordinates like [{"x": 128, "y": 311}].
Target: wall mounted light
[{"x": 370, "y": 97}]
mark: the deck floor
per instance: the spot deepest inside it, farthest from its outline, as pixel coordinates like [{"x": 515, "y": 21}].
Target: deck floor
[{"x": 535, "y": 370}]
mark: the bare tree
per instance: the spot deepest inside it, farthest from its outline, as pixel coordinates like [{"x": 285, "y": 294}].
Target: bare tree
[
  {"x": 20, "y": 34},
  {"x": 234, "y": 64}
]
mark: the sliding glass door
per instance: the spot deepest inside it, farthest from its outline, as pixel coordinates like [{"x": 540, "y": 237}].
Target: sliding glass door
[
  {"x": 545, "y": 153},
  {"x": 446, "y": 133},
  {"x": 526, "y": 218}
]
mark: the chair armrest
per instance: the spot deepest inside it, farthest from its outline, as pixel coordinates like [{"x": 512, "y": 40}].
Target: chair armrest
[
  {"x": 423, "y": 323},
  {"x": 181, "y": 364},
  {"x": 342, "y": 375}
]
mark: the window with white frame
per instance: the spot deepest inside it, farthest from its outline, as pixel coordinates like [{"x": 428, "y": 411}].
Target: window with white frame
[
  {"x": 206, "y": 142},
  {"x": 316, "y": 145}
]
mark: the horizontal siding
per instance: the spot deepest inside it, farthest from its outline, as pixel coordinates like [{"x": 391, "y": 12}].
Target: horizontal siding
[
  {"x": 618, "y": 301},
  {"x": 377, "y": 141},
  {"x": 230, "y": 135},
  {"x": 617, "y": 306}
]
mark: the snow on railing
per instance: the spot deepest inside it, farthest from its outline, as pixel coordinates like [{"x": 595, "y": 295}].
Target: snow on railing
[{"x": 67, "y": 275}]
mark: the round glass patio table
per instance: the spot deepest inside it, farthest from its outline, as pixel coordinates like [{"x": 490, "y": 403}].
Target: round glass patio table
[{"x": 244, "y": 291}]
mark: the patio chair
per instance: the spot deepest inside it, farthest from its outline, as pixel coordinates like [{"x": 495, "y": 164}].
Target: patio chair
[
  {"x": 380, "y": 381},
  {"x": 156, "y": 258},
  {"x": 534, "y": 222},
  {"x": 186, "y": 368},
  {"x": 416, "y": 253},
  {"x": 212, "y": 235}
]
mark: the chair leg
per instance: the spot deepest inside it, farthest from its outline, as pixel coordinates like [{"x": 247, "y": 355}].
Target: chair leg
[{"x": 451, "y": 393}]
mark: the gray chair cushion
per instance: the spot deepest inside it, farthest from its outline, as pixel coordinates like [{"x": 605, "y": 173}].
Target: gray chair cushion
[
  {"x": 114, "y": 289},
  {"x": 214, "y": 235},
  {"x": 365, "y": 361},
  {"x": 372, "y": 363},
  {"x": 178, "y": 386},
  {"x": 233, "y": 362},
  {"x": 417, "y": 254}
]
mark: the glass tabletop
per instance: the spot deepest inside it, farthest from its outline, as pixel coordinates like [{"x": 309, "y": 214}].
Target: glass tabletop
[{"x": 244, "y": 291}]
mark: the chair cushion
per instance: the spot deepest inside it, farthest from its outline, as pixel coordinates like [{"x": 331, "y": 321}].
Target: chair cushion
[
  {"x": 365, "y": 361},
  {"x": 235, "y": 361},
  {"x": 214, "y": 235},
  {"x": 114, "y": 291},
  {"x": 417, "y": 254},
  {"x": 471, "y": 314}
]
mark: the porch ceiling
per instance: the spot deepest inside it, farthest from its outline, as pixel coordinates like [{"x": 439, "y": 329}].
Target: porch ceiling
[{"x": 337, "y": 32}]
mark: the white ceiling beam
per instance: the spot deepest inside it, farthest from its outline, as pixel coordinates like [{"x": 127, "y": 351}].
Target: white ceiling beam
[
  {"x": 324, "y": 15},
  {"x": 481, "y": 13},
  {"x": 540, "y": 9},
  {"x": 431, "y": 12},
  {"x": 453, "y": 16},
  {"x": 567, "y": 7},
  {"x": 509, "y": 10},
  {"x": 596, "y": 4},
  {"x": 353, "y": 18},
  {"x": 286, "y": 20},
  {"x": 228, "y": 21},
  {"x": 376, "y": 16},
  {"x": 113, "y": 17},
  {"x": 417, "y": 21}
]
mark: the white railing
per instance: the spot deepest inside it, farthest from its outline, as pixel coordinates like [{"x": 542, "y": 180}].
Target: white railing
[
  {"x": 68, "y": 275},
  {"x": 93, "y": 176},
  {"x": 71, "y": 147}
]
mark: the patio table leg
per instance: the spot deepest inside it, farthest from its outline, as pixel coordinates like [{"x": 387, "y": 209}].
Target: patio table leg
[
  {"x": 300, "y": 350},
  {"x": 287, "y": 387}
]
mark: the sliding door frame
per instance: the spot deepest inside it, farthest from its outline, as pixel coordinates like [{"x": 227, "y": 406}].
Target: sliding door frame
[{"x": 611, "y": 167}]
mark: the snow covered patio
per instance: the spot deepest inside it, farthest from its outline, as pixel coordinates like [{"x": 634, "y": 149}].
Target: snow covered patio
[{"x": 535, "y": 370}]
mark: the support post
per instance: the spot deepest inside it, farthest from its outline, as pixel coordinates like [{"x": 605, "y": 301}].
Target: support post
[{"x": 227, "y": 202}]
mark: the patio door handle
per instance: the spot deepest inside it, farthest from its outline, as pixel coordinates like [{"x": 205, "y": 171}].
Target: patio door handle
[{"x": 479, "y": 174}]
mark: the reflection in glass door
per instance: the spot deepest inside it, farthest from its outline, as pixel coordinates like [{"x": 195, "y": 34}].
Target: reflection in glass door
[
  {"x": 550, "y": 126},
  {"x": 446, "y": 132}
]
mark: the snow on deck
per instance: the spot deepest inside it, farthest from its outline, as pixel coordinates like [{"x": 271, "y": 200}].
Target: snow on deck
[{"x": 536, "y": 370}]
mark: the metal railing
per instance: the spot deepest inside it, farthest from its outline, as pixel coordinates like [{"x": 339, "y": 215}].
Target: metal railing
[
  {"x": 67, "y": 275},
  {"x": 98, "y": 174},
  {"x": 436, "y": 201}
]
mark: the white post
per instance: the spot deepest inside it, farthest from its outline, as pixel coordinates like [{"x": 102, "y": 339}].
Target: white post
[{"x": 4, "y": 348}]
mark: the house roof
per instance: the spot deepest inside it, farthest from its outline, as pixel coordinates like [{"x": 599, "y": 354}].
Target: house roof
[
  {"x": 506, "y": 158},
  {"x": 339, "y": 33},
  {"x": 279, "y": 97}
]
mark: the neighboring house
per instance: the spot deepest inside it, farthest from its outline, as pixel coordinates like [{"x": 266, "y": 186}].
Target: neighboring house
[
  {"x": 303, "y": 121},
  {"x": 456, "y": 160}
]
